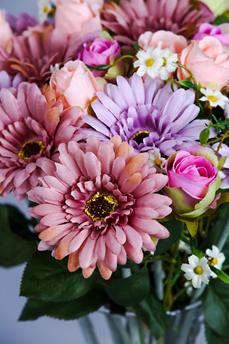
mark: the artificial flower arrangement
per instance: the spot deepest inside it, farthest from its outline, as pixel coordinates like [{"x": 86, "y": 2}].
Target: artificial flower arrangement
[{"x": 114, "y": 124}]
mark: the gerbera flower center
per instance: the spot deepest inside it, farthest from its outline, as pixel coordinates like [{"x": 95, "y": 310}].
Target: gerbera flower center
[
  {"x": 198, "y": 270},
  {"x": 149, "y": 62},
  {"x": 100, "y": 206},
  {"x": 30, "y": 148},
  {"x": 140, "y": 135},
  {"x": 214, "y": 261},
  {"x": 212, "y": 98}
]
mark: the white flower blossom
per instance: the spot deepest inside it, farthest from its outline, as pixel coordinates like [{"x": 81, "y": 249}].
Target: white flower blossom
[
  {"x": 155, "y": 160},
  {"x": 149, "y": 61},
  {"x": 216, "y": 258},
  {"x": 44, "y": 7},
  {"x": 197, "y": 270},
  {"x": 215, "y": 98},
  {"x": 189, "y": 290},
  {"x": 54, "y": 69},
  {"x": 184, "y": 247},
  {"x": 169, "y": 63}
]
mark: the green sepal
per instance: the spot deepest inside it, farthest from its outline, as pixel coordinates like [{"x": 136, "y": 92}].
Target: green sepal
[
  {"x": 220, "y": 274},
  {"x": 68, "y": 310},
  {"x": 191, "y": 223},
  {"x": 152, "y": 313},
  {"x": 204, "y": 136},
  {"x": 49, "y": 279},
  {"x": 131, "y": 290}
]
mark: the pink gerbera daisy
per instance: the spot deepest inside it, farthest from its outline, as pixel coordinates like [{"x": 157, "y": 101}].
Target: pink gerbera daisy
[
  {"x": 31, "y": 128},
  {"x": 99, "y": 206}
]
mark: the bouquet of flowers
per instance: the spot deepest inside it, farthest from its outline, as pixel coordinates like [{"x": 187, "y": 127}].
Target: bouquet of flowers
[{"x": 114, "y": 124}]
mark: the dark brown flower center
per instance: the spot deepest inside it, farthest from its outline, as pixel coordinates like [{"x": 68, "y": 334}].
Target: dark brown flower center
[
  {"x": 139, "y": 136},
  {"x": 30, "y": 148},
  {"x": 100, "y": 206}
]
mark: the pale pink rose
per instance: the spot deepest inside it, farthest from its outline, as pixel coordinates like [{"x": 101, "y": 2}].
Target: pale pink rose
[
  {"x": 80, "y": 16},
  {"x": 76, "y": 83},
  {"x": 207, "y": 60},
  {"x": 5, "y": 31},
  {"x": 163, "y": 39}
]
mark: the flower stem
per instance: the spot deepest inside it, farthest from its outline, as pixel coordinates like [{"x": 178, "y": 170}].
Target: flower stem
[
  {"x": 170, "y": 275},
  {"x": 190, "y": 73}
]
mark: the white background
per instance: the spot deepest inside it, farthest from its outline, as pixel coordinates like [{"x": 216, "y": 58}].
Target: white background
[{"x": 44, "y": 330}]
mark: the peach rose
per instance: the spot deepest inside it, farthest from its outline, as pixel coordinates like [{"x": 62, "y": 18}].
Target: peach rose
[
  {"x": 78, "y": 16},
  {"x": 76, "y": 83},
  {"x": 208, "y": 62},
  {"x": 5, "y": 31},
  {"x": 163, "y": 39}
]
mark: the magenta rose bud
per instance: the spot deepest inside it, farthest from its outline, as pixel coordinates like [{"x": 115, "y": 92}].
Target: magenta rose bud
[
  {"x": 193, "y": 180},
  {"x": 100, "y": 51}
]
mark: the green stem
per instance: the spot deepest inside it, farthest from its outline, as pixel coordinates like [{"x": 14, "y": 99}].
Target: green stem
[
  {"x": 190, "y": 73},
  {"x": 170, "y": 275},
  {"x": 160, "y": 340}
]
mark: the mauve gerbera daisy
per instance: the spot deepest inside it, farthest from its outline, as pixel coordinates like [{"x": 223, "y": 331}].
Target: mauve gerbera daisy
[
  {"x": 146, "y": 115},
  {"x": 134, "y": 17},
  {"x": 99, "y": 206},
  {"x": 31, "y": 128}
]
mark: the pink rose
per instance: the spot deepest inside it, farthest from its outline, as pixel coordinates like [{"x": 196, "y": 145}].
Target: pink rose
[
  {"x": 76, "y": 83},
  {"x": 163, "y": 39},
  {"x": 80, "y": 16},
  {"x": 214, "y": 31},
  {"x": 193, "y": 180},
  {"x": 5, "y": 31},
  {"x": 97, "y": 50},
  {"x": 208, "y": 62}
]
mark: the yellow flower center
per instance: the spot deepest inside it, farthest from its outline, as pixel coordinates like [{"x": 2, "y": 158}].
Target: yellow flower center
[
  {"x": 158, "y": 162},
  {"x": 45, "y": 9},
  {"x": 30, "y": 148},
  {"x": 165, "y": 62},
  {"x": 212, "y": 98},
  {"x": 100, "y": 206},
  {"x": 149, "y": 62},
  {"x": 198, "y": 270},
  {"x": 213, "y": 262},
  {"x": 140, "y": 135}
]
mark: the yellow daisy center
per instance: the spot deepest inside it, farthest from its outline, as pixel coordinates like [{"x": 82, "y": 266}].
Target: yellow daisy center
[
  {"x": 212, "y": 98},
  {"x": 45, "y": 9},
  {"x": 30, "y": 148},
  {"x": 100, "y": 206},
  {"x": 158, "y": 162},
  {"x": 198, "y": 270},
  {"x": 214, "y": 261},
  {"x": 164, "y": 62},
  {"x": 149, "y": 62}
]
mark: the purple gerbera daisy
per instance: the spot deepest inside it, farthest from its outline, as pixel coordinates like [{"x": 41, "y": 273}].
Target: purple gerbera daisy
[{"x": 147, "y": 115}]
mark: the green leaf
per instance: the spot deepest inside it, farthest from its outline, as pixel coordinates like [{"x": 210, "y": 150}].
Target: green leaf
[
  {"x": 221, "y": 163},
  {"x": 137, "y": 46},
  {"x": 221, "y": 20},
  {"x": 47, "y": 278},
  {"x": 172, "y": 84},
  {"x": 215, "y": 302},
  {"x": 191, "y": 223},
  {"x": 128, "y": 265},
  {"x": 17, "y": 243},
  {"x": 174, "y": 227},
  {"x": 188, "y": 84},
  {"x": 204, "y": 136},
  {"x": 100, "y": 67},
  {"x": 131, "y": 290},
  {"x": 213, "y": 338},
  {"x": 197, "y": 253},
  {"x": 152, "y": 313},
  {"x": 220, "y": 274},
  {"x": 67, "y": 310}
]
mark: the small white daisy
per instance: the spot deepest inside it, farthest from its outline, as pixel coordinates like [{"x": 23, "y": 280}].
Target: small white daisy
[
  {"x": 215, "y": 98},
  {"x": 155, "y": 160},
  {"x": 216, "y": 258},
  {"x": 184, "y": 247},
  {"x": 149, "y": 61},
  {"x": 54, "y": 69},
  {"x": 44, "y": 7},
  {"x": 197, "y": 270},
  {"x": 169, "y": 63}
]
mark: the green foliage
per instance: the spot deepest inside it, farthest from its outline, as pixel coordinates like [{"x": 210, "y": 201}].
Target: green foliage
[
  {"x": 204, "y": 136},
  {"x": 152, "y": 313},
  {"x": 187, "y": 83},
  {"x": 213, "y": 337},
  {"x": 197, "y": 253},
  {"x": 220, "y": 274},
  {"x": 131, "y": 290},
  {"x": 129, "y": 265},
  {"x": 47, "y": 278},
  {"x": 137, "y": 46},
  {"x": 17, "y": 242},
  {"x": 67, "y": 310},
  {"x": 174, "y": 227},
  {"x": 215, "y": 302},
  {"x": 221, "y": 20}
]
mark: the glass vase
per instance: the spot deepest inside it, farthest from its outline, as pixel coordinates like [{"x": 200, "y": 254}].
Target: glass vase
[{"x": 184, "y": 327}]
